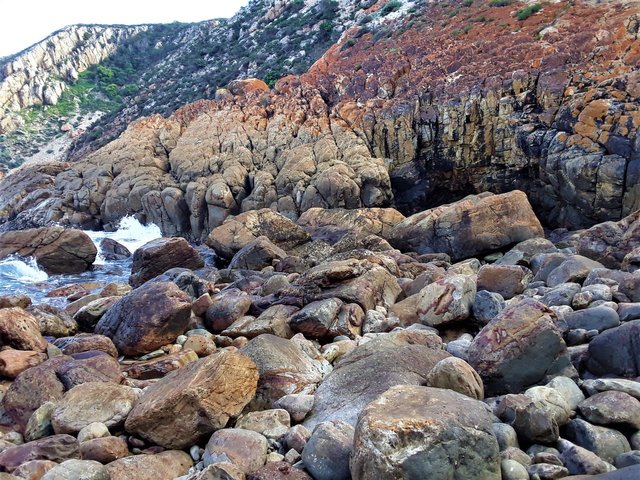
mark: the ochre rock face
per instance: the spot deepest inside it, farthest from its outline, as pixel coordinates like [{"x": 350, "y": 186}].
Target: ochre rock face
[{"x": 416, "y": 112}]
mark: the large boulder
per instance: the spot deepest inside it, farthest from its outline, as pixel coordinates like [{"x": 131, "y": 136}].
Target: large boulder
[
  {"x": 399, "y": 358},
  {"x": 522, "y": 346},
  {"x": 177, "y": 410},
  {"x": 169, "y": 464},
  {"x": 257, "y": 254},
  {"x": 610, "y": 242},
  {"x": 616, "y": 351},
  {"x": 149, "y": 317},
  {"x": 286, "y": 367},
  {"x": 474, "y": 225},
  {"x": 57, "y": 250},
  {"x": 93, "y": 402},
  {"x": 57, "y": 448},
  {"x": 237, "y": 232},
  {"x": 20, "y": 330},
  {"x": 333, "y": 224},
  {"x": 415, "y": 432},
  {"x": 157, "y": 256}
]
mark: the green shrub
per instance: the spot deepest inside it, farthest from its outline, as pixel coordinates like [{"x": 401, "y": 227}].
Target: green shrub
[
  {"x": 390, "y": 6},
  {"x": 467, "y": 3},
  {"x": 500, "y": 3},
  {"x": 526, "y": 12}
]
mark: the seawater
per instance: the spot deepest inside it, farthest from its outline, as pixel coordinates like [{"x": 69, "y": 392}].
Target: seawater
[{"x": 23, "y": 276}]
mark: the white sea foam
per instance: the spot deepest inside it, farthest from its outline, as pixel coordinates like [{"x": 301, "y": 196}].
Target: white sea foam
[
  {"x": 130, "y": 233},
  {"x": 21, "y": 270}
]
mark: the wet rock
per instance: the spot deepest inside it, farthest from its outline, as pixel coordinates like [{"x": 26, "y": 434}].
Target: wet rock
[
  {"x": 606, "y": 443},
  {"x": 205, "y": 399},
  {"x": 462, "y": 229},
  {"x": 611, "y": 408},
  {"x": 580, "y": 461},
  {"x": 93, "y": 402},
  {"x": 56, "y": 448},
  {"x": 457, "y": 375},
  {"x": 77, "y": 470},
  {"x": 359, "y": 377},
  {"x": 57, "y": 250},
  {"x": 326, "y": 454},
  {"x": 432, "y": 430},
  {"x": 245, "y": 449},
  {"x": 596, "y": 318},
  {"x": 257, "y": 254},
  {"x": 20, "y": 330},
  {"x": 53, "y": 322},
  {"x": 520, "y": 347},
  {"x": 506, "y": 280},
  {"x": 285, "y": 368},
  {"x": 157, "y": 256},
  {"x": 614, "y": 351},
  {"x": 14, "y": 362},
  {"x": 111, "y": 250},
  {"x": 149, "y": 317},
  {"x": 169, "y": 464},
  {"x": 87, "y": 317}
]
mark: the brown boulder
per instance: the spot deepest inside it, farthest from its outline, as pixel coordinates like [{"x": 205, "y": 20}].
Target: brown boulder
[
  {"x": 159, "y": 367},
  {"x": 85, "y": 342},
  {"x": 56, "y": 448},
  {"x": 247, "y": 86},
  {"x": 194, "y": 401},
  {"x": 104, "y": 449},
  {"x": 610, "y": 242},
  {"x": 410, "y": 430},
  {"x": 274, "y": 320},
  {"x": 157, "y": 256},
  {"x": 237, "y": 232},
  {"x": 14, "y": 362},
  {"x": 151, "y": 316},
  {"x": 93, "y": 402},
  {"x": 285, "y": 367},
  {"x": 227, "y": 307},
  {"x": 169, "y": 464},
  {"x": 507, "y": 280},
  {"x": 278, "y": 471},
  {"x": 471, "y": 226},
  {"x": 245, "y": 449},
  {"x": 20, "y": 330},
  {"x": 257, "y": 254},
  {"x": 333, "y": 224},
  {"x": 34, "y": 469},
  {"x": 520, "y": 347},
  {"x": 57, "y": 250}
]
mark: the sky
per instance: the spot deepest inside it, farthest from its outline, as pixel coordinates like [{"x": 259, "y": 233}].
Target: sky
[{"x": 25, "y": 22}]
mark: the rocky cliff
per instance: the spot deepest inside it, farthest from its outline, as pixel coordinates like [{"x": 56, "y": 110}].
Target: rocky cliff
[{"x": 419, "y": 104}]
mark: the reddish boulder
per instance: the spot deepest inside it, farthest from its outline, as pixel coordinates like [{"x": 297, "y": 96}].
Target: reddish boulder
[
  {"x": 157, "y": 256},
  {"x": 20, "y": 330}
]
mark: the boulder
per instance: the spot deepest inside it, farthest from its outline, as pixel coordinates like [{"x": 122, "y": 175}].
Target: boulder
[
  {"x": 610, "y": 242},
  {"x": 227, "y": 307},
  {"x": 20, "y": 330},
  {"x": 56, "y": 448},
  {"x": 245, "y": 449},
  {"x": 325, "y": 319},
  {"x": 149, "y": 317},
  {"x": 195, "y": 400},
  {"x": 471, "y": 226},
  {"x": 580, "y": 461},
  {"x": 455, "y": 374},
  {"x": 522, "y": 346},
  {"x": 611, "y": 408},
  {"x": 615, "y": 351},
  {"x": 93, "y": 402},
  {"x": 87, "y": 317},
  {"x": 169, "y": 464},
  {"x": 507, "y": 280},
  {"x": 57, "y": 250},
  {"x": 104, "y": 449},
  {"x": 487, "y": 305},
  {"x": 34, "y": 469},
  {"x": 285, "y": 366},
  {"x": 237, "y": 232},
  {"x": 607, "y": 443},
  {"x": 157, "y": 256},
  {"x": 596, "y": 318},
  {"x": 531, "y": 420},
  {"x": 333, "y": 224},
  {"x": 410, "y": 430},
  {"x": 274, "y": 320},
  {"x": 276, "y": 471},
  {"x": 399, "y": 358},
  {"x": 574, "y": 269},
  {"x": 326, "y": 454},
  {"x": 14, "y": 362},
  {"x": 75, "y": 469},
  {"x": 446, "y": 300},
  {"x": 86, "y": 342},
  {"x": 257, "y": 254},
  {"x": 159, "y": 367},
  {"x": 273, "y": 423},
  {"x": 112, "y": 250}
]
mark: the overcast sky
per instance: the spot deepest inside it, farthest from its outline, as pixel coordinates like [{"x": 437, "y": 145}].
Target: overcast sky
[{"x": 25, "y": 22}]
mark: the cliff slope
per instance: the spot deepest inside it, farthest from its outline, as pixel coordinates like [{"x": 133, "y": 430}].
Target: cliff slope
[{"x": 419, "y": 104}]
